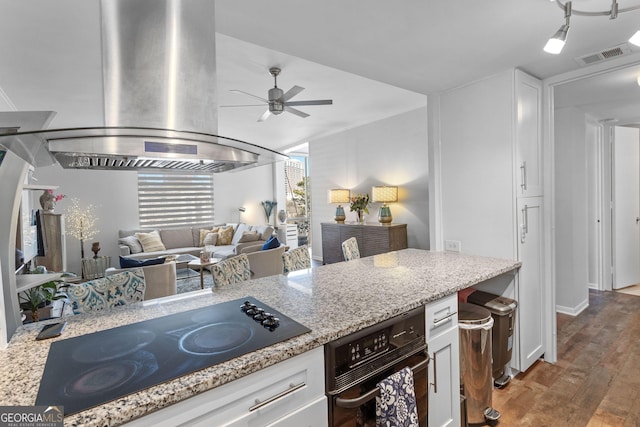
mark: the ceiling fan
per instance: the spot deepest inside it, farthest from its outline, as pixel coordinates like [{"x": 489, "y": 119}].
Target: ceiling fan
[{"x": 278, "y": 100}]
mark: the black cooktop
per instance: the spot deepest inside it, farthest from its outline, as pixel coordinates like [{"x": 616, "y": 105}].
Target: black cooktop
[{"x": 86, "y": 371}]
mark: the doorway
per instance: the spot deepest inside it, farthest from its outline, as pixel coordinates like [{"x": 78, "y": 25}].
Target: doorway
[{"x": 625, "y": 231}]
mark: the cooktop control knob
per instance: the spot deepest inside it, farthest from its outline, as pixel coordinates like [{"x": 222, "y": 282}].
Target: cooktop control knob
[
  {"x": 260, "y": 315},
  {"x": 246, "y": 306},
  {"x": 270, "y": 321}
]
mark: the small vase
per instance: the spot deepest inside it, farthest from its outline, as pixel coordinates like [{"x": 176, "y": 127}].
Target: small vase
[
  {"x": 47, "y": 201},
  {"x": 360, "y": 214}
]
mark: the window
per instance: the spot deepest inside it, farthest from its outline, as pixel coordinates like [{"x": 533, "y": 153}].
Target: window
[{"x": 170, "y": 200}]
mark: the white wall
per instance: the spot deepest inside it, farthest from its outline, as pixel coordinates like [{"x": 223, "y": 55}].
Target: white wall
[
  {"x": 476, "y": 162},
  {"x": 571, "y": 207},
  {"x": 114, "y": 194},
  {"x": 247, "y": 188},
  {"x": 392, "y": 151}
]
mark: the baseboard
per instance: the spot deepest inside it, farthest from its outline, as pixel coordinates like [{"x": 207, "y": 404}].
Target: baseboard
[
  {"x": 573, "y": 311},
  {"x": 593, "y": 286}
]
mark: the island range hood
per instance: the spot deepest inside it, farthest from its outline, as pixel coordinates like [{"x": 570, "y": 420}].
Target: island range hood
[{"x": 159, "y": 97}]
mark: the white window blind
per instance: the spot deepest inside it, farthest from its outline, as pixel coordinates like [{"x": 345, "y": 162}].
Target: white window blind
[{"x": 170, "y": 200}]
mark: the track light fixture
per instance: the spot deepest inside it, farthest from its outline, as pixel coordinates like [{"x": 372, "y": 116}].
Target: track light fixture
[{"x": 557, "y": 41}]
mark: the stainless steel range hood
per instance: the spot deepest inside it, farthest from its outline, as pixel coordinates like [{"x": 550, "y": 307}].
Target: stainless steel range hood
[{"x": 160, "y": 101}]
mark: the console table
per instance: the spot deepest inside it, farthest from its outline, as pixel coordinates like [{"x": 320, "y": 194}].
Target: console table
[{"x": 373, "y": 239}]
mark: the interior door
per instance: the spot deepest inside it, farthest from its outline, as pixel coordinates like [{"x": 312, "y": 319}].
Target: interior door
[{"x": 626, "y": 207}]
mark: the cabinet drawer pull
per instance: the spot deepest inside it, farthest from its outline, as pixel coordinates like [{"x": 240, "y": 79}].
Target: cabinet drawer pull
[
  {"x": 445, "y": 319},
  {"x": 292, "y": 387}
]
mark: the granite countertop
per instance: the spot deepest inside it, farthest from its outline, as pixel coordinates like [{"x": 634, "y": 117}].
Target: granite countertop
[{"x": 332, "y": 300}]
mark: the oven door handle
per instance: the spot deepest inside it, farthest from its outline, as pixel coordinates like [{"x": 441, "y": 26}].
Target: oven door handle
[{"x": 358, "y": 401}]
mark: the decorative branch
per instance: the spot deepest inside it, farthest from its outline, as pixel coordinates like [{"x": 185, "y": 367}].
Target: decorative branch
[{"x": 81, "y": 222}]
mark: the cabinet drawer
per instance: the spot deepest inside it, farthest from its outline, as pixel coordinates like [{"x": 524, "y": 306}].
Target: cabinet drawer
[
  {"x": 441, "y": 315},
  {"x": 255, "y": 400}
]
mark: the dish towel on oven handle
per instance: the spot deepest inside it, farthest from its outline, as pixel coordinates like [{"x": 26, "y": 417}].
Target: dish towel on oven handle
[{"x": 396, "y": 403}]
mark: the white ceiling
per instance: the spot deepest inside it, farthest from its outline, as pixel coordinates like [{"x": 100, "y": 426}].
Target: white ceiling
[{"x": 374, "y": 58}]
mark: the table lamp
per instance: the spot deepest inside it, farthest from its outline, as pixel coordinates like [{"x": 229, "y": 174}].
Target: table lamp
[
  {"x": 384, "y": 194},
  {"x": 339, "y": 195}
]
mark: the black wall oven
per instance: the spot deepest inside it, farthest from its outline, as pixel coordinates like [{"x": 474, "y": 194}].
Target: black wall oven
[{"x": 357, "y": 362}]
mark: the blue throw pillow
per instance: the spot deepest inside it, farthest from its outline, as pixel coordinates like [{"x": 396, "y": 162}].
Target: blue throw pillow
[
  {"x": 132, "y": 262},
  {"x": 272, "y": 243}
]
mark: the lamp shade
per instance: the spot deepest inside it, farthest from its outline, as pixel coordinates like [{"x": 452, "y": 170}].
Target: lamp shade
[
  {"x": 339, "y": 195},
  {"x": 384, "y": 194}
]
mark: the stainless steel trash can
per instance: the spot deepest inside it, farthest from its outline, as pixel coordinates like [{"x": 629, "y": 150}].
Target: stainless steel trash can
[
  {"x": 475, "y": 325},
  {"x": 503, "y": 311}
]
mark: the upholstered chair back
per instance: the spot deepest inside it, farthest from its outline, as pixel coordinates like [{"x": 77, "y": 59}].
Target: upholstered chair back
[
  {"x": 231, "y": 270},
  {"x": 296, "y": 259},
  {"x": 350, "y": 249},
  {"x": 108, "y": 292}
]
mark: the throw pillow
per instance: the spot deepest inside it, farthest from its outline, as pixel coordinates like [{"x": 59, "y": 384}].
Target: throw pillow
[
  {"x": 265, "y": 231},
  {"x": 272, "y": 243},
  {"x": 249, "y": 236},
  {"x": 132, "y": 242},
  {"x": 204, "y": 232},
  {"x": 211, "y": 239},
  {"x": 151, "y": 241},
  {"x": 225, "y": 235},
  {"x": 132, "y": 262}
]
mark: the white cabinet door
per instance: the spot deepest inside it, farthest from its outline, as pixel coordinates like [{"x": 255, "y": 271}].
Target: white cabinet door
[
  {"x": 444, "y": 380},
  {"x": 315, "y": 414},
  {"x": 444, "y": 369},
  {"x": 528, "y": 129},
  {"x": 530, "y": 290}
]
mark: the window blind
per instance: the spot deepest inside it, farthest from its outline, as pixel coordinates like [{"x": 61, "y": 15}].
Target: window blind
[{"x": 170, "y": 200}]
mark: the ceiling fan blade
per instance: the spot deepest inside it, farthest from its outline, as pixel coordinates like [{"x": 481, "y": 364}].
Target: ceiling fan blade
[
  {"x": 246, "y": 93},
  {"x": 314, "y": 102},
  {"x": 296, "y": 112},
  {"x": 265, "y": 116},
  {"x": 291, "y": 93}
]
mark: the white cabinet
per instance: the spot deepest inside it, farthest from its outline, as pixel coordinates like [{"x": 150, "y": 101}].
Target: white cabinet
[
  {"x": 289, "y": 393},
  {"x": 490, "y": 167},
  {"x": 528, "y": 135},
  {"x": 444, "y": 369}
]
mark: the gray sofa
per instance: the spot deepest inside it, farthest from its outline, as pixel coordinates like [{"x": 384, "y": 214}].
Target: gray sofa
[{"x": 186, "y": 240}]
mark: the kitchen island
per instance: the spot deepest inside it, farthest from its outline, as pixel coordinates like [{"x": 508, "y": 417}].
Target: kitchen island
[{"x": 332, "y": 300}]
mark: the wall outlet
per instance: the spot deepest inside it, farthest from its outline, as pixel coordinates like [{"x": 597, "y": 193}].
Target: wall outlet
[{"x": 452, "y": 245}]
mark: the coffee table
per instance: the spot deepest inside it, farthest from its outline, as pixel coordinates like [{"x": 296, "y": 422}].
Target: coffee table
[{"x": 198, "y": 264}]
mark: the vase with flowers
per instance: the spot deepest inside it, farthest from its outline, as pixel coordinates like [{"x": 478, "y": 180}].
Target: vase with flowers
[
  {"x": 360, "y": 205},
  {"x": 48, "y": 200}
]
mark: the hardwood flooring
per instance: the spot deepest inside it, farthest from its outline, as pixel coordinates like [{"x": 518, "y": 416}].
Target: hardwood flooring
[{"x": 596, "y": 381}]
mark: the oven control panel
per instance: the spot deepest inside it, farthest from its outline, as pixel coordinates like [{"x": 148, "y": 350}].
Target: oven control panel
[
  {"x": 406, "y": 331},
  {"x": 367, "y": 346}
]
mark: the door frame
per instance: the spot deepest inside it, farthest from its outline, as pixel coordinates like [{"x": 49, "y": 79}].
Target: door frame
[{"x": 549, "y": 85}]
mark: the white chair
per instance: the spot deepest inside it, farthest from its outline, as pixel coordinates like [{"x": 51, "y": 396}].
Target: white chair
[{"x": 350, "y": 249}]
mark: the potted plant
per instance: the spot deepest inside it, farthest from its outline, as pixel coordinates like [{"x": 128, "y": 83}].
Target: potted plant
[{"x": 36, "y": 301}]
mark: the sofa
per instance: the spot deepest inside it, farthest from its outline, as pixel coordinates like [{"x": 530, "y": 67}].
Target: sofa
[{"x": 227, "y": 240}]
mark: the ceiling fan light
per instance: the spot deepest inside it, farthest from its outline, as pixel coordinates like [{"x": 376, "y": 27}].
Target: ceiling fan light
[
  {"x": 635, "y": 39},
  {"x": 557, "y": 41}
]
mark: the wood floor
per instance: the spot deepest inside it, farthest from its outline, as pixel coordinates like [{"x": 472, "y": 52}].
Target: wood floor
[{"x": 596, "y": 381}]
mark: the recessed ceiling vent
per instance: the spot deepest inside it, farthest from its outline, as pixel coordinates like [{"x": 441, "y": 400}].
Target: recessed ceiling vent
[{"x": 603, "y": 55}]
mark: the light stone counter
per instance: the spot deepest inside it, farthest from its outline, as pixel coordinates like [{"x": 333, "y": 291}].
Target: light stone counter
[{"x": 332, "y": 300}]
